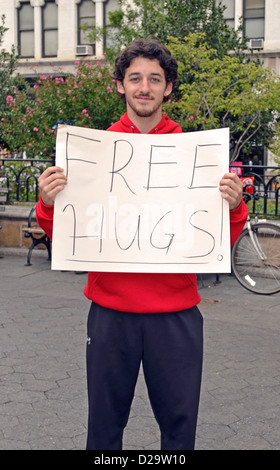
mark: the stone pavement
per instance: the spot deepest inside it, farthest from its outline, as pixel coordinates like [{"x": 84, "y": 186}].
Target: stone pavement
[{"x": 43, "y": 402}]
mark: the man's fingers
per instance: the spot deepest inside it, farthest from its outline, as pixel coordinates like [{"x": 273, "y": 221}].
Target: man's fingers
[
  {"x": 231, "y": 188},
  {"x": 51, "y": 182}
]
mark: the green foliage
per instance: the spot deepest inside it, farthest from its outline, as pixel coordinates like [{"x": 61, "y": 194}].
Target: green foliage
[
  {"x": 224, "y": 92},
  {"x": 176, "y": 18},
  {"x": 8, "y": 61},
  {"x": 218, "y": 87},
  {"x": 275, "y": 143},
  {"x": 85, "y": 99}
]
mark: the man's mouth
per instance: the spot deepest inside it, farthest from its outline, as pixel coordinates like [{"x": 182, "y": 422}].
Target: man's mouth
[{"x": 143, "y": 98}]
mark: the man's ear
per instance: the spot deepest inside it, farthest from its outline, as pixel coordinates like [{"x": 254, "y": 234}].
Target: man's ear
[
  {"x": 168, "y": 90},
  {"x": 120, "y": 87}
]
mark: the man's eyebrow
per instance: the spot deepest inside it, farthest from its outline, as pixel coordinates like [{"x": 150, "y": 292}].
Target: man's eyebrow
[{"x": 154, "y": 74}]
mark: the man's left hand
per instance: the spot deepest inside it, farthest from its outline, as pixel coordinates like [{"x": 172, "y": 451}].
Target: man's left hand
[{"x": 231, "y": 188}]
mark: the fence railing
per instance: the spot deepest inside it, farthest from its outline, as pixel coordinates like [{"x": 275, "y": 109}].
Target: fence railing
[
  {"x": 261, "y": 188},
  {"x": 261, "y": 183},
  {"x": 21, "y": 177}
]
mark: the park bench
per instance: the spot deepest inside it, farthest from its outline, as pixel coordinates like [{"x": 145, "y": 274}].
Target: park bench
[{"x": 37, "y": 235}]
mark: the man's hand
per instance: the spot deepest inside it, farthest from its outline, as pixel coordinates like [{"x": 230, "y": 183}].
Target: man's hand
[
  {"x": 51, "y": 182},
  {"x": 231, "y": 188}
]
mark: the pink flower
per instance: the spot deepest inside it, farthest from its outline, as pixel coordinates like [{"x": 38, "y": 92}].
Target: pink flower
[
  {"x": 109, "y": 89},
  {"x": 9, "y": 99},
  {"x": 84, "y": 111},
  {"x": 35, "y": 87},
  {"x": 69, "y": 92},
  {"x": 35, "y": 129}
]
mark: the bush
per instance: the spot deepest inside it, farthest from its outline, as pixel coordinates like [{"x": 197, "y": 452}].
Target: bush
[{"x": 85, "y": 99}]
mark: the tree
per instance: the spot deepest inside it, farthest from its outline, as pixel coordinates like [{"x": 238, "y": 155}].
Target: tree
[
  {"x": 224, "y": 92},
  {"x": 275, "y": 143},
  {"x": 220, "y": 78},
  {"x": 177, "y": 18},
  {"x": 8, "y": 62}
]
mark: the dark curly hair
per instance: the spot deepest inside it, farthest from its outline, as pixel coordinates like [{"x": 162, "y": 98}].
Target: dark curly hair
[{"x": 149, "y": 48}]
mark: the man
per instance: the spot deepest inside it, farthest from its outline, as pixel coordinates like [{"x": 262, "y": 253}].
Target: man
[{"x": 142, "y": 317}]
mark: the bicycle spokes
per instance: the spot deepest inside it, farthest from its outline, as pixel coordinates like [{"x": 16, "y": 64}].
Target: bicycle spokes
[{"x": 256, "y": 258}]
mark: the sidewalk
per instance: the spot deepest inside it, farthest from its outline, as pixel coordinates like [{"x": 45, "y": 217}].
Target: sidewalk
[{"x": 43, "y": 401}]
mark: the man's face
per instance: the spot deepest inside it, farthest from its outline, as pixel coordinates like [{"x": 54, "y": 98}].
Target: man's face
[{"x": 144, "y": 86}]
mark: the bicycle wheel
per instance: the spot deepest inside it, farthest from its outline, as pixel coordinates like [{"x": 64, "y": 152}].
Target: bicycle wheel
[{"x": 261, "y": 276}]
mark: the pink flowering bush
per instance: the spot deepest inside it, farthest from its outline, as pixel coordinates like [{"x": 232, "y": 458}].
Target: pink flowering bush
[{"x": 86, "y": 98}]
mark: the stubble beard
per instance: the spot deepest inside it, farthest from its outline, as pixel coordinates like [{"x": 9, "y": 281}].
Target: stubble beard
[{"x": 143, "y": 111}]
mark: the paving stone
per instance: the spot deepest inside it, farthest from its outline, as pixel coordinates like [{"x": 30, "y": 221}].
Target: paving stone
[{"x": 43, "y": 399}]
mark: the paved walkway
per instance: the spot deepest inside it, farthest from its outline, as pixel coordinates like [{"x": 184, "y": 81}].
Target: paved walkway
[{"x": 43, "y": 402}]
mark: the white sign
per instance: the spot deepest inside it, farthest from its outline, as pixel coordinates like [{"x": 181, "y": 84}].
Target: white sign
[{"x": 141, "y": 202}]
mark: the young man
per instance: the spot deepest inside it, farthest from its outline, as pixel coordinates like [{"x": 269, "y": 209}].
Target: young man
[{"x": 138, "y": 317}]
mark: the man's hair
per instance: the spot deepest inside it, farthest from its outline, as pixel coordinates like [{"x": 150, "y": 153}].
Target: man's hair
[{"x": 150, "y": 49}]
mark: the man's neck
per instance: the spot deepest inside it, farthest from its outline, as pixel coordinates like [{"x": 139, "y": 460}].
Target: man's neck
[{"x": 144, "y": 124}]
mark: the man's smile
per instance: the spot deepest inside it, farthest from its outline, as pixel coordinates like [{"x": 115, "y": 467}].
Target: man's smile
[{"x": 144, "y": 98}]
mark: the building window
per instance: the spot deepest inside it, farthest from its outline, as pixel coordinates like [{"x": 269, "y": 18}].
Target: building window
[
  {"x": 229, "y": 12},
  {"x": 110, "y": 5},
  {"x": 86, "y": 19},
  {"x": 26, "y": 30},
  {"x": 50, "y": 28},
  {"x": 254, "y": 14}
]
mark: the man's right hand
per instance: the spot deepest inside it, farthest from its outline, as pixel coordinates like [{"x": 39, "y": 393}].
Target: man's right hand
[{"x": 51, "y": 182}]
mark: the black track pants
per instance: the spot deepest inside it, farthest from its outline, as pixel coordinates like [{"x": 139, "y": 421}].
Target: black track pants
[{"x": 170, "y": 347}]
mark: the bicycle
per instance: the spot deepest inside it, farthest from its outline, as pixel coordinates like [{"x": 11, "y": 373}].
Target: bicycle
[{"x": 256, "y": 257}]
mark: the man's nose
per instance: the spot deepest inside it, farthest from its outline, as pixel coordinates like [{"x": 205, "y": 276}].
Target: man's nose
[{"x": 144, "y": 86}]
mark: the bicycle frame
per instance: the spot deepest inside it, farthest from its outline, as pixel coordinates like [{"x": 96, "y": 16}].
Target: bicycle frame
[{"x": 254, "y": 240}]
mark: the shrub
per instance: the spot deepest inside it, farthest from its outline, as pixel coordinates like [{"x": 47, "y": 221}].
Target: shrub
[{"x": 87, "y": 99}]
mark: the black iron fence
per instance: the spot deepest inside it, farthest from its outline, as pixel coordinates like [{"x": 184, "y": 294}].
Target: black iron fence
[
  {"x": 261, "y": 188},
  {"x": 261, "y": 183},
  {"x": 21, "y": 177}
]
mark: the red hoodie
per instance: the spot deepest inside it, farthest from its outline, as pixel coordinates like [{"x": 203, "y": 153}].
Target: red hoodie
[{"x": 143, "y": 292}]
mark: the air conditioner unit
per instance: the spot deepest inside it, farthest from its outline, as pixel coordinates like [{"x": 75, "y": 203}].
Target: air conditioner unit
[
  {"x": 84, "y": 50},
  {"x": 255, "y": 44}
]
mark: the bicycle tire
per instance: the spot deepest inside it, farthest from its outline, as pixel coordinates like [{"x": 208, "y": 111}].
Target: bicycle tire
[{"x": 256, "y": 275}]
